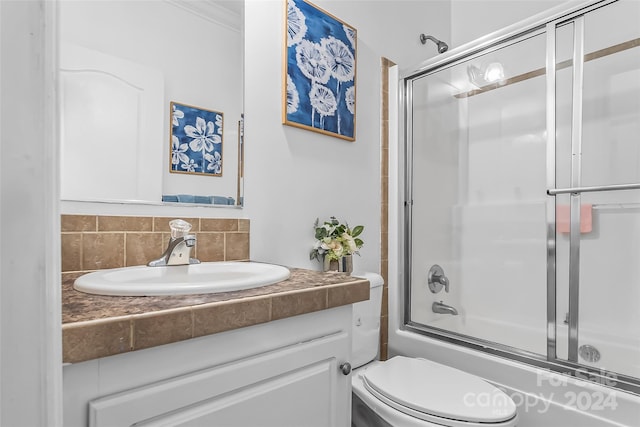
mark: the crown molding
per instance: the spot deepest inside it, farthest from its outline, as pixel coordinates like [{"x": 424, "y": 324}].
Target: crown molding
[{"x": 212, "y": 11}]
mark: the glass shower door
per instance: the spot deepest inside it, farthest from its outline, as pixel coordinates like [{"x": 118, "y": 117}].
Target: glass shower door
[
  {"x": 523, "y": 196},
  {"x": 598, "y": 297},
  {"x": 478, "y": 197}
]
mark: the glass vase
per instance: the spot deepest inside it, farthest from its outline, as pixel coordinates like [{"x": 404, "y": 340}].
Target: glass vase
[{"x": 343, "y": 264}]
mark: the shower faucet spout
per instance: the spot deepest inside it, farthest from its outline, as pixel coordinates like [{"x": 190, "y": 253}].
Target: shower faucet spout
[{"x": 442, "y": 308}]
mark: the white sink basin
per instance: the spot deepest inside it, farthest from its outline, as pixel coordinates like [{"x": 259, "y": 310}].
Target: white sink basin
[{"x": 205, "y": 278}]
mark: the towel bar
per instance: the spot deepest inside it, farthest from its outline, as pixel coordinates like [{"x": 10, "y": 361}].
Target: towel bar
[{"x": 613, "y": 187}]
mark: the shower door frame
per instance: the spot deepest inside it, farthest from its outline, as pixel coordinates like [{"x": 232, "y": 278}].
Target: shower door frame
[{"x": 540, "y": 24}]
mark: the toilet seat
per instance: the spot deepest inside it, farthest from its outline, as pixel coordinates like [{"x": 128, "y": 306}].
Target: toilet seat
[{"x": 437, "y": 393}]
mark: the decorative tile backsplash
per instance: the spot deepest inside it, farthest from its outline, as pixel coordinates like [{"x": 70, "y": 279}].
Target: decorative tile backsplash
[
  {"x": 94, "y": 242},
  {"x": 386, "y": 64}
]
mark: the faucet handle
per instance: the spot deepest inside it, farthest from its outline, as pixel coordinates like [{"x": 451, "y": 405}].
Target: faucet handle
[
  {"x": 437, "y": 280},
  {"x": 179, "y": 228},
  {"x": 444, "y": 281}
]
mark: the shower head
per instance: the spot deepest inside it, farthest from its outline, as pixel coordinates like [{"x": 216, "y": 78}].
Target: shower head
[{"x": 442, "y": 46}]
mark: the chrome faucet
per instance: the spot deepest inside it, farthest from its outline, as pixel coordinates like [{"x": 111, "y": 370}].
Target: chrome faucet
[
  {"x": 442, "y": 308},
  {"x": 178, "y": 251}
]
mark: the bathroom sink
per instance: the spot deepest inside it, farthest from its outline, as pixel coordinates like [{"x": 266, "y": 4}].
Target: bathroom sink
[{"x": 204, "y": 278}]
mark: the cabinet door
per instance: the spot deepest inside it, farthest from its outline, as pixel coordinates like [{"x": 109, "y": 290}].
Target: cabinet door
[
  {"x": 298, "y": 386},
  {"x": 303, "y": 397}
]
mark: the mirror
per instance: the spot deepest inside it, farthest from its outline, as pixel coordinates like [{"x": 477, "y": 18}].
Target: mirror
[{"x": 122, "y": 66}]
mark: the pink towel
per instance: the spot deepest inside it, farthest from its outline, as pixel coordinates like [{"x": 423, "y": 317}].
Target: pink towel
[{"x": 563, "y": 218}]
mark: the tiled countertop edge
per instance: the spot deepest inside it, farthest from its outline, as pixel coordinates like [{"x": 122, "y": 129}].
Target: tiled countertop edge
[{"x": 92, "y": 339}]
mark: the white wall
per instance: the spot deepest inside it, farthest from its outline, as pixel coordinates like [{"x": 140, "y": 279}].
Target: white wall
[
  {"x": 30, "y": 324},
  {"x": 294, "y": 176},
  {"x": 472, "y": 19}
]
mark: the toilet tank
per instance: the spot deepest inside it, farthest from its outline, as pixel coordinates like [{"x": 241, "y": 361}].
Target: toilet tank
[{"x": 366, "y": 322}]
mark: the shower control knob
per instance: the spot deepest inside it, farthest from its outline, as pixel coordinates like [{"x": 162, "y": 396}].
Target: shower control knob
[
  {"x": 345, "y": 368},
  {"x": 437, "y": 280}
]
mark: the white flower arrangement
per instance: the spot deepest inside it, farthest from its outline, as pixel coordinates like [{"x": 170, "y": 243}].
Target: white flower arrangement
[{"x": 335, "y": 240}]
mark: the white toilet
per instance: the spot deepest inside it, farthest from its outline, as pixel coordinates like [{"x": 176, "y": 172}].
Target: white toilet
[{"x": 412, "y": 392}]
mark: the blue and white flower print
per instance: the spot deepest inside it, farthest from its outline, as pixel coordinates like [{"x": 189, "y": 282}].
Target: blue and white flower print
[
  {"x": 296, "y": 25},
  {"x": 178, "y": 151},
  {"x": 176, "y": 115},
  {"x": 292, "y": 96},
  {"x": 196, "y": 140},
  {"x": 321, "y": 70}
]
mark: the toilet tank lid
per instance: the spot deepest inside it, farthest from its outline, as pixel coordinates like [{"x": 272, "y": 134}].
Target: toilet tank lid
[{"x": 374, "y": 279}]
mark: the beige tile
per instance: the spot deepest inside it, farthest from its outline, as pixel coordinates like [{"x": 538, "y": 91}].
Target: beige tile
[
  {"x": 384, "y": 247},
  {"x": 384, "y": 331},
  {"x": 384, "y": 163},
  {"x": 102, "y": 250},
  {"x": 384, "y": 353},
  {"x": 244, "y": 225},
  {"x": 69, "y": 223},
  {"x": 287, "y": 305},
  {"x": 384, "y": 208},
  {"x": 210, "y": 247},
  {"x": 211, "y": 319},
  {"x": 384, "y": 131},
  {"x": 71, "y": 247},
  {"x": 387, "y": 62},
  {"x": 125, "y": 223},
  {"x": 218, "y": 224},
  {"x": 384, "y": 270},
  {"x": 385, "y": 71},
  {"x": 162, "y": 224},
  {"x": 384, "y": 217},
  {"x": 343, "y": 295},
  {"x": 140, "y": 248},
  {"x": 162, "y": 328},
  {"x": 91, "y": 340},
  {"x": 384, "y": 189},
  {"x": 237, "y": 246},
  {"x": 385, "y": 300}
]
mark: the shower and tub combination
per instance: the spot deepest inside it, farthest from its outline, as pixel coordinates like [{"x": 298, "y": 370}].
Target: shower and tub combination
[{"x": 520, "y": 222}]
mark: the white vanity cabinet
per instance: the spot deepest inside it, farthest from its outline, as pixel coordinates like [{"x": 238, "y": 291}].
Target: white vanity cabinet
[{"x": 282, "y": 373}]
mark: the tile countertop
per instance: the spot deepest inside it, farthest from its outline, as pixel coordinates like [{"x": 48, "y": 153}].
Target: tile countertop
[{"x": 95, "y": 326}]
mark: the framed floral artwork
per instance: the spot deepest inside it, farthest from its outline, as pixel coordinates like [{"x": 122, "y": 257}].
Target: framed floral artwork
[
  {"x": 320, "y": 71},
  {"x": 196, "y": 140}
]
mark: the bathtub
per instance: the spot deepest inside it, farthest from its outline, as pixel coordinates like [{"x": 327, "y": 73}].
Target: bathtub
[
  {"x": 615, "y": 355},
  {"x": 544, "y": 398}
]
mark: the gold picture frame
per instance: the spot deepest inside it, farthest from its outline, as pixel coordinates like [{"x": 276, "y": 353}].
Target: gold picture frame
[{"x": 320, "y": 62}]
